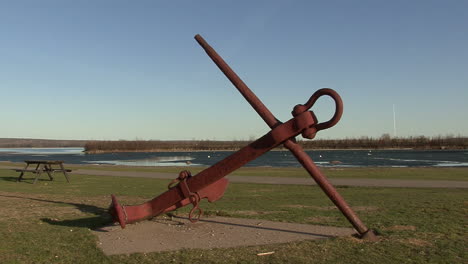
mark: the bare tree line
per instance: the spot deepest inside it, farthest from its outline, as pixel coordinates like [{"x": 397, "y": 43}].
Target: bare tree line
[
  {"x": 39, "y": 143},
  {"x": 160, "y": 145},
  {"x": 384, "y": 142},
  {"x": 387, "y": 142}
]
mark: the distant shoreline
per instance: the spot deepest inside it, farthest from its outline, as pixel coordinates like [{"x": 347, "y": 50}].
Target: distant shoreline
[
  {"x": 276, "y": 149},
  {"x": 363, "y": 143}
]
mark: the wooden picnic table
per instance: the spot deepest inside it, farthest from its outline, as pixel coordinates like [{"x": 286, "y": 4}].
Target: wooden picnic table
[{"x": 43, "y": 166}]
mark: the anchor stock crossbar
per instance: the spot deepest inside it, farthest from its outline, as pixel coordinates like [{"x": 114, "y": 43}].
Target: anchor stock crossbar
[{"x": 211, "y": 184}]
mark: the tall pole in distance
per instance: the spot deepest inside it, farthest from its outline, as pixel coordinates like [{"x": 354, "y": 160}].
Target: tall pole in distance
[{"x": 394, "y": 122}]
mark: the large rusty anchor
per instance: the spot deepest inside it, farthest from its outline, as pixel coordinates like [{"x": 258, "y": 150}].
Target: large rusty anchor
[{"x": 211, "y": 184}]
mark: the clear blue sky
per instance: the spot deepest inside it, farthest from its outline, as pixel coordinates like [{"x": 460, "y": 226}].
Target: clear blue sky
[{"x": 131, "y": 69}]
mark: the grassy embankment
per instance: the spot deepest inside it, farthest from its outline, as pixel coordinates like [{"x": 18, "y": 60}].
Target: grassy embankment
[{"x": 49, "y": 222}]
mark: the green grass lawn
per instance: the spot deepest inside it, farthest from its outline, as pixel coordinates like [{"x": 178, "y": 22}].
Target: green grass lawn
[
  {"x": 416, "y": 173},
  {"x": 50, "y": 222},
  {"x": 376, "y": 173}
]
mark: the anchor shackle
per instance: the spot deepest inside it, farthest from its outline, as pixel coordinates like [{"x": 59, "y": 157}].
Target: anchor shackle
[{"x": 312, "y": 130}]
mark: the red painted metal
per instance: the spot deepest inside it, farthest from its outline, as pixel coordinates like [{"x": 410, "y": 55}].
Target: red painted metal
[
  {"x": 133, "y": 213},
  {"x": 210, "y": 182},
  {"x": 309, "y": 133},
  {"x": 210, "y": 176}
]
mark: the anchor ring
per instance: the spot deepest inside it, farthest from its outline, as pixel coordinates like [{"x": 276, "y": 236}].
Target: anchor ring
[{"x": 299, "y": 109}]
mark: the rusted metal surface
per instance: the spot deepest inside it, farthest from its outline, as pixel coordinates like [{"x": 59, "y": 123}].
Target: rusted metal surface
[
  {"x": 210, "y": 182},
  {"x": 309, "y": 133},
  {"x": 133, "y": 213},
  {"x": 202, "y": 182}
]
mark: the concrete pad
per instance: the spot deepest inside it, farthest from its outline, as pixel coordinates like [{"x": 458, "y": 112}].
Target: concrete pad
[{"x": 164, "y": 234}]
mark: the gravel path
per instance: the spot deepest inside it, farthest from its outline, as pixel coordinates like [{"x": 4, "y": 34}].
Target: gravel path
[
  {"x": 279, "y": 180},
  {"x": 297, "y": 181}
]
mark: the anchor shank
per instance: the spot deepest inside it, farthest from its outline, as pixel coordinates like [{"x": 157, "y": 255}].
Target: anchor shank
[
  {"x": 159, "y": 204},
  {"x": 236, "y": 160},
  {"x": 326, "y": 186},
  {"x": 253, "y": 100},
  {"x": 297, "y": 151}
]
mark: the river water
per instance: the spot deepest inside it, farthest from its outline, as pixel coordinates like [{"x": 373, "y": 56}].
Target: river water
[{"x": 324, "y": 158}]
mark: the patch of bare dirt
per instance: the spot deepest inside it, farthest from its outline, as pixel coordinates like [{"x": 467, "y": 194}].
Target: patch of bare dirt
[
  {"x": 258, "y": 212},
  {"x": 364, "y": 208},
  {"x": 164, "y": 234},
  {"x": 401, "y": 228},
  {"x": 328, "y": 208},
  {"x": 417, "y": 242},
  {"x": 354, "y": 239},
  {"x": 321, "y": 219},
  {"x": 260, "y": 190},
  {"x": 300, "y": 206}
]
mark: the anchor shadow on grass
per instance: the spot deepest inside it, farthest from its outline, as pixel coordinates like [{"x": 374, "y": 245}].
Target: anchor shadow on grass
[
  {"x": 101, "y": 218},
  {"x": 96, "y": 223},
  {"x": 255, "y": 227},
  {"x": 28, "y": 180}
]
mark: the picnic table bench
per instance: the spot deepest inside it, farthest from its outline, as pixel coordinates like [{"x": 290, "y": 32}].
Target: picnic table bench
[{"x": 43, "y": 166}]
